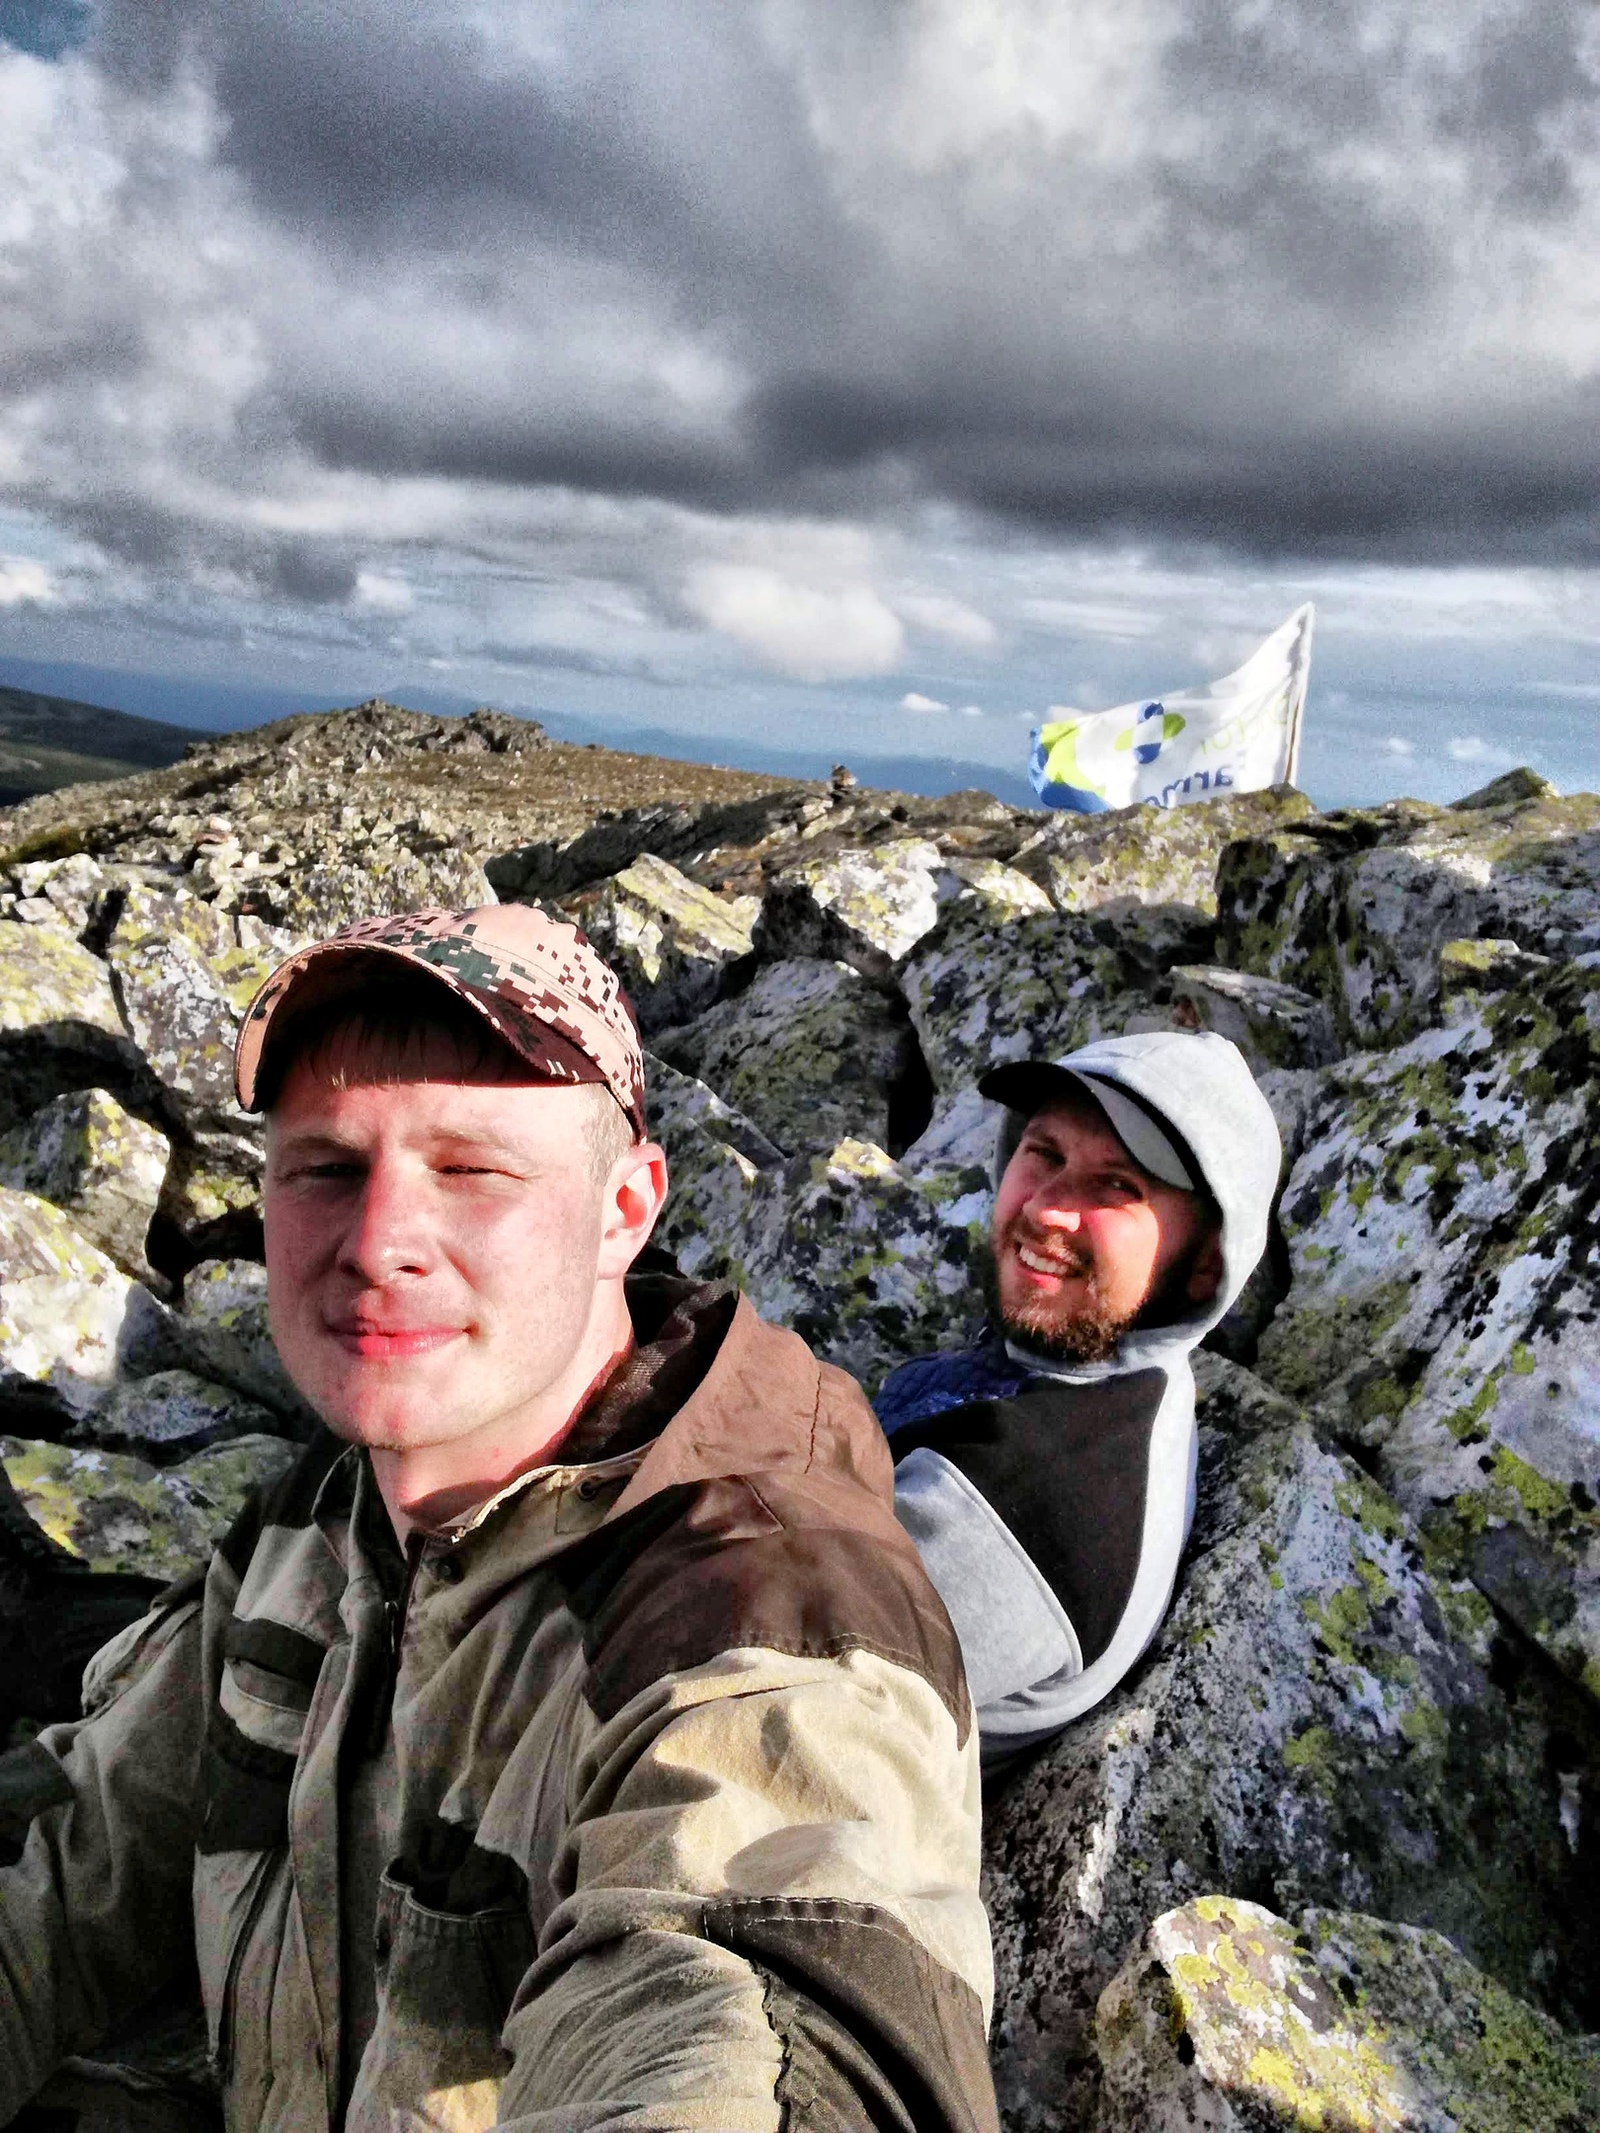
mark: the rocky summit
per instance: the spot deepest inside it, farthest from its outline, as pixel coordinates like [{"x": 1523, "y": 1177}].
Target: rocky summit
[{"x": 1328, "y": 1858}]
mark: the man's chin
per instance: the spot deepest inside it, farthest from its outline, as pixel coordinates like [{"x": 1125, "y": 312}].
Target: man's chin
[{"x": 1081, "y": 1339}]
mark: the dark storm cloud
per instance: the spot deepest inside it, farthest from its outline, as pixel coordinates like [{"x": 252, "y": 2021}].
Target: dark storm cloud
[{"x": 789, "y": 259}]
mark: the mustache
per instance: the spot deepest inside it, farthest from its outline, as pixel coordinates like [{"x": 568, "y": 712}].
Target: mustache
[{"x": 1063, "y": 1252}]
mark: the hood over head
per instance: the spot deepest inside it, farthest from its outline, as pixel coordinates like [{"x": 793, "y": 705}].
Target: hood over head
[{"x": 1187, "y": 1108}]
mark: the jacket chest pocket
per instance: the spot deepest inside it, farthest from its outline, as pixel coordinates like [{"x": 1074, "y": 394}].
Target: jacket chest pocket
[
  {"x": 242, "y": 1876},
  {"x": 451, "y": 1952}
]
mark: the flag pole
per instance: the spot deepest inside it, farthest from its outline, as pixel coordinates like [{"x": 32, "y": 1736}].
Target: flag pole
[{"x": 1303, "y": 675}]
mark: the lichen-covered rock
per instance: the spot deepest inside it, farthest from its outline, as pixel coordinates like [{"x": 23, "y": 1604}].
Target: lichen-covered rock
[
  {"x": 1273, "y": 1025},
  {"x": 714, "y": 1156},
  {"x": 63, "y": 891},
  {"x": 866, "y": 907},
  {"x": 118, "y": 1512},
  {"x": 1446, "y": 1287},
  {"x": 1358, "y": 906},
  {"x": 1150, "y": 855},
  {"x": 671, "y": 942},
  {"x": 71, "y": 1322},
  {"x": 211, "y": 1195},
  {"x": 811, "y": 1051},
  {"x": 59, "y": 1025},
  {"x": 1003, "y": 890},
  {"x": 226, "y": 1334},
  {"x": 868, "y": 1262},
  {"x": 1321, "y": 1720},
  {"x": 373, "y": 873},
  {"x": 99, "y": 1164},
  {"x": 982, "y": 992},
  {"x": 185, "y": 980},
  {"x": 1229, "y": 2017},
  {"x": 172, "y": 1413}
]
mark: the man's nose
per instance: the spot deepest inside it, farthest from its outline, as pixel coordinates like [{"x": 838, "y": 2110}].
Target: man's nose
[
  {"x": 1054, "y": 1214},
  {"x": 387, "y": 1232}
]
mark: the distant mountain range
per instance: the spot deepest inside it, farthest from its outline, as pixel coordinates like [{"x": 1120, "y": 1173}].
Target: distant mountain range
[{"x": 50, "y": 741}]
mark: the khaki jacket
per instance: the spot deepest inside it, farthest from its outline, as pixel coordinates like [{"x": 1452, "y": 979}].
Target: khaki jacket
[{"x": 678, "y": 1782}]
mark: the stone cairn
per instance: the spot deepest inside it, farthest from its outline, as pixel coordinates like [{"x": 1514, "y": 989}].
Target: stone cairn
[{"x": 1328, "y": 1858}]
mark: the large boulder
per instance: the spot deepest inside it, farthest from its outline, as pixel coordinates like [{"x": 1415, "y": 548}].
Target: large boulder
[
  {"x": 226, "y": 1333},
  {"x": 117, "y": 1512},
  {"x": 714, "y": 1156},
  {"x": 71, "y": 1322},
  {"x": 865, "y": 907},
  {"x": 59, "y": 1025},
  {"x": 1151, "y": 855},
  {"x": 1273, "y": 1025},
  {"x": 673, "y": 944},
  {"x": 172, "y": 1413},
  {"x": 870, "y": 1262},
  {"x": 1230, "y": 2018},
  {"x": 375, "y": 870},
  {"x": 1322, "y": 1719},
  {"x": 811, "y": 1051},
  {"x": 1440, "y": 1224},
  {"x": 1357, "y": 906},
  {"x": 99, "y": 1164},
  {"x": 982, "y": 991}
]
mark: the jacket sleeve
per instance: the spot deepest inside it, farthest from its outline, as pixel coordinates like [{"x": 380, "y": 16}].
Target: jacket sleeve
[
  {"x": 95, "y": 1916},
  {"x": 770, "y": 1912}
]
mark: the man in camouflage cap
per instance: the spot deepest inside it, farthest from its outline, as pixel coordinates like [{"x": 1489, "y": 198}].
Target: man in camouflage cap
[{"x": 572, "y": 1739}]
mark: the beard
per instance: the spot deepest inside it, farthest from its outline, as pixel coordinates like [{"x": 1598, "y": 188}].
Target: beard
[{"x": 1089, "y": 1334}]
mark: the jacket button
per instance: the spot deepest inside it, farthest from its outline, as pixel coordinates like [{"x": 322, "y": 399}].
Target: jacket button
[
  {"x": 449, "y": 1570},
  {"x": 590, "y": 1487}
]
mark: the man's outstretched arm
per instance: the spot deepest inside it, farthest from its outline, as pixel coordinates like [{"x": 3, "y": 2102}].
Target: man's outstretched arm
[{"x": 96, "y": 1914}]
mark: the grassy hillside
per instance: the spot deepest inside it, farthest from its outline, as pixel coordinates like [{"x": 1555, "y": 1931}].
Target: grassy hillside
[{"x": 50, "y": 741}]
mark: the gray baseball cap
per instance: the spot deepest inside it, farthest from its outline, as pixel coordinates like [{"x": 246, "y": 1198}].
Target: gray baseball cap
[{"x": 1027, "y": 1085}]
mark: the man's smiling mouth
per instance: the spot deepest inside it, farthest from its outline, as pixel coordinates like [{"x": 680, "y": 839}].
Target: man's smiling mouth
[
  {"x": 393, "y": 1343},
  {"x": 1057, "y": 1267}
]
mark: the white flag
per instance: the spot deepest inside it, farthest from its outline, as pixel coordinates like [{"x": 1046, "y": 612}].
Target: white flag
[{"x": 1233, "y": 735}]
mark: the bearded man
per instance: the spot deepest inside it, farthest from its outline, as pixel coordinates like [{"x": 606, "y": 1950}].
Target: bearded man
[{"x": 1047, "y": 1476}]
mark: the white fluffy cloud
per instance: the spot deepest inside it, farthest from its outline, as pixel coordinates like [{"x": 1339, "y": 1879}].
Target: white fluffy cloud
[{"x": 812, "y": 632}]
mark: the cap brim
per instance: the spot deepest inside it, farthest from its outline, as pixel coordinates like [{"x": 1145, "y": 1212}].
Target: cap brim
[{"x": 1029, "y": 1084}]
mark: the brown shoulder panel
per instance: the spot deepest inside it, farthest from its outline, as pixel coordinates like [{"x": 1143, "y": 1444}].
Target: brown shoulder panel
[{"x": 811, "y": 1565}]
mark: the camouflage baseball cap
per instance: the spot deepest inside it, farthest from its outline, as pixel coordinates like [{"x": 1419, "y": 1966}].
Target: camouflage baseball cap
[{"x": 534, "y": 978}]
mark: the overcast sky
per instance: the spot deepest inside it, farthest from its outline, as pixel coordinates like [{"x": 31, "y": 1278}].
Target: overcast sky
[{"x": 866, "y": 375}]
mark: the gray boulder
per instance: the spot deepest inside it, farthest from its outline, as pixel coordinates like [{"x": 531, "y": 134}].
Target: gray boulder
[
  {"x": 59, "y": 1025},
  {"x": 71, "y": 1322},
  {"x": 1322, "y": 1719},
  {"x": 115, "y": 1511},
  {"x": 811, "y": 1052},
  {"x": 1358, "y": 906},
  {"x": 1445, "y": 1292},
  {"x": 1230, "y": 2018},
  {"x": 226, "y": 1334},
  {"x": 99, "y": 1164},
  {"x": 1151, "y": 855},
  {"x": 715, "y": 1155},
  {"x": 673, "y": 944},
  {"x": 172, "y": 1413},
  {"x": 866, "y": 907},
  {"x": 1273, "y": 1025}
]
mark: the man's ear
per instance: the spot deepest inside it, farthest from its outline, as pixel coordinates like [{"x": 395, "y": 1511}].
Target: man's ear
[
  {"x": 1205, "y": 1273},
  {"x": 635, "y": 1193}
]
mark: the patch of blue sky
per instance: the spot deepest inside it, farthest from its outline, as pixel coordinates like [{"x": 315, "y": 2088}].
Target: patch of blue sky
[{"x": 46, "y": 29}]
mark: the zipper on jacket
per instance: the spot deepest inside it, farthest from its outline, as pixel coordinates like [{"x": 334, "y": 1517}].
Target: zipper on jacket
[
  {"x": 394, "y": 1624},
  {"x": 222, "y": 2058}
]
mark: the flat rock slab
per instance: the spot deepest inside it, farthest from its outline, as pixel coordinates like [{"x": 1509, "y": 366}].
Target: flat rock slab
[
  {"x": 1321, "y": 1720},
  {"x": 226, "y": 1333},
  {"x": 172, "y": 1413},
  {"x": 1228, "y": 2017},
  {"x": 118, "y": 1512},
  {"x": 1441, "y": 1228}
]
